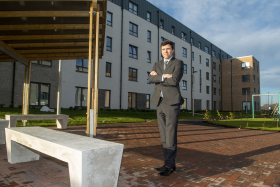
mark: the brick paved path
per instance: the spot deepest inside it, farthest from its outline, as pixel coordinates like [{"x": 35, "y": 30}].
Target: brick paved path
[{"x": 207, "y": 156}]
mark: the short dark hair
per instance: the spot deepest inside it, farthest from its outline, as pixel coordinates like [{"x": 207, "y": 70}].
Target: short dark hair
[{"x": 166, "y": 42}]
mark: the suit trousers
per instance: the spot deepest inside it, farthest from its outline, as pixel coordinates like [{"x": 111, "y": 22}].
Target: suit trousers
[{"x": 167, "y": 116}]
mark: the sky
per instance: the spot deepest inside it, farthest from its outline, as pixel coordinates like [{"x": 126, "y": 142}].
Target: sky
[{"x": 239, "y": 27}]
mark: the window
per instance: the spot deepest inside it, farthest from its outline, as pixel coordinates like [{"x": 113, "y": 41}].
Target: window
[
  {"x": 200, "y": 59},
  {"x": 254, "y": 65},
  {"x": 208, "y": 104},
  {"x": 207, "y": 62},
  {"x": 246, "y": 105},
  {"x": 107, "y": 98},
  {"x": 199, "y": 45},
  {"x": 214, "y": 78},
  {"x": 192, "y": 41},
  {"x": 244, "y": 90},
  {"x": 80, "y": 96},
  {"x": 149, "y": 56},
  {"x": 184, "y": 52},
  {"x": 133, "y": 51},
  {"x": 245, "y": 65},
  {"x": 254, "y": 78},
  {"x": 82, "y": 65},
  {"x": 214, "y": 91},
  {"x": 148, "y": 16},
  {"x": 109, "y": 44},
  {"x": 222, "y": 57},
  {"x": 43, "y": 62},
  {"x": 161, "y": 24},
  {"x": 149, "y": 36},
  {"x": 185, "y": 68},
  {"x": 213, "y": 53},
  {"x": 184, "y": 85},
  {"x": 254, "y": 90},
  {"x": 206, "y": 49},
  {"x": 219, "y": 68},
  {"x": 132, "y": 76},
  {"x": 200, "y": 81},
  {"x": 133, "y": 8},
  {"x": 173, "y": 30},
  {"x": 184, "y": 105},
  {"x": 245, "y": 78},
  {"x": 108, "y": 69},
  {"x": 162, "y": 39},
  {"x": 184, "y": 36},
  {"x": 132, "y": 97},
  {"x": 192, "y": 56},
  {"x": 214, "y": 65},
  {"x": 207, "y": 89},
  {"x": 133, "y": 29},
  {"x": 215, "y": 107},
  {"x": 219, "y": 80},
  {"x": 39, "y": 94},
  {"x": 109, "y": 19},
  {"x": 148, "y": 101},
  {"x": 207, "y": 75},
  {"x": 148, "y": 73}
]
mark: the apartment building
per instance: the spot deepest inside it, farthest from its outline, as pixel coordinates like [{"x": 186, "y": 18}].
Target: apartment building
[
  {"x": 240, "y": 79},
  {"x": 134, "y": 32}
]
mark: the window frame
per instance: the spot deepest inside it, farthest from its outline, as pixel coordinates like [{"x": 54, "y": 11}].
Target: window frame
[
  {"x": 161, "y": 24},
  {"x": 110, "y": 65},
  {"x": 184, "y": 85},
  {"x": 149, "y": 17},
  {"x": 245, "y": 78},
  {"x": 245, "y": 65},
  {"x": 109, "y": 98},
  {"x": 185, "y": 70},
  {"x": 148, "y": 101},
  {"x": 184, "y": 36},
  {"x": 149, "y": 56},
  {"x": 184, "y": 52},
  {"x": 39, "y": 62},
  {"x": 132, "y": 93},
  {"x": 132, "y": 9},
  {"x": 111, "y": 43},
  {"x": 149, "y": 36},
  {"x": 133, "y": 26},
  {"x": 131, "y": 78},
  {"x": 39, "y": 97},
  {"x": 110, "y": 13},
  {"x": 131, "y": 55},
  {"x": 84, "y": 69}
]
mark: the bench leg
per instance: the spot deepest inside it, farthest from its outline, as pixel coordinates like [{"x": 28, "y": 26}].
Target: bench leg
[
  {"x": 96, "y": 167},
  {"x": 17, "y": 153},
  {"x": 61, "y": 123},
  {"x": 12, "y": 122}
]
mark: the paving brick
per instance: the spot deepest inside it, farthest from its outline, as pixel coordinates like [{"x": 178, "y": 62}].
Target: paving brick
[{"x": 207, "y": 156}]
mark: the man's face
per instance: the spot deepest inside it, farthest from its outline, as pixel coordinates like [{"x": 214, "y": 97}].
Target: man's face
[{"x": 167, "y": 51}]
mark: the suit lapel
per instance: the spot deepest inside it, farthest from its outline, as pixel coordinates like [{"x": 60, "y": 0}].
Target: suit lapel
[{"x": 161, "y": 66}]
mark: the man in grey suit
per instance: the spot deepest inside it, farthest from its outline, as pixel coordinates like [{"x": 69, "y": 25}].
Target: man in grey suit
[{"x": 166, "y": 75}]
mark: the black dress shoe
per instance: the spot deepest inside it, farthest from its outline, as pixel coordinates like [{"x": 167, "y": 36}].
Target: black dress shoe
[
  {"x": 160, "y": 169},
  {"x": 167, "y": 171}
]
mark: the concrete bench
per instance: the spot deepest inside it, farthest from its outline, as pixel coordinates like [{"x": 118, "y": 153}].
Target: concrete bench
[
  {"x": 61, "y": 119},
  {"x": 91, "y": 162},
  {"x": 3, "y": 124}
]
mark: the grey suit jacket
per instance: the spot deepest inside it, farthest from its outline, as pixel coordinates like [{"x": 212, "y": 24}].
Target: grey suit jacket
[{"x": 170, "y": 87}]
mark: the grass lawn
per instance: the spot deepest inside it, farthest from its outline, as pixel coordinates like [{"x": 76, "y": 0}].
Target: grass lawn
[
  {"x": 257, "y": 123},
  {"x": 78, "y": 117}
]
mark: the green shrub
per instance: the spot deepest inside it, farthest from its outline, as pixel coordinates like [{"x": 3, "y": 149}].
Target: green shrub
[
  {"x": 19, "y": 106},
  {"x": 70, "y": 108},
  {"x": 11, "y": 106}
]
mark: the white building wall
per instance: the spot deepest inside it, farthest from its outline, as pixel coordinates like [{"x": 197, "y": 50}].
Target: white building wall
[{"x": 72, "y": 79}]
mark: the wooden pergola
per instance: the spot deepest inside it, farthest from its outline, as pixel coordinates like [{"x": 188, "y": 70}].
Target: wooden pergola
[{"x": 54, "y": 30}]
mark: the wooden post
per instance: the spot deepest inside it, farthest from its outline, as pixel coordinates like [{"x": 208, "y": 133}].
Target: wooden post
[
  {"x": 96, "y": 72},
  {"x": 89, "y": 66},
  {"x": 26, "y": 88},
  {"x": 58, "y": 106}
]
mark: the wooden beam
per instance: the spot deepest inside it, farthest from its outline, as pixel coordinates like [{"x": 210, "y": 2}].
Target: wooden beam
[
  {"x": 38, "y": 14},
  {"x": 56, "y": 55},
  {"x": 47, "y": 37},
  {"x": 96, "y": 74},
  {"x": 7, "y": 60},
  {"x": 8, "y": 50},
  {"x": 52, "y": 0},
  {"x": 59, "y": 58},
  {"x": 89, "y": 69},
  {"x": 64, "y": 44},
  {"x": 44, "y": 27},
  {"x": 42, "y": 51}
]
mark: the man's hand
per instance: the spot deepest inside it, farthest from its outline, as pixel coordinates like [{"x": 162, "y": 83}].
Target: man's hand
[
  {"x": 153, "y": 73},
  {"x": 166, "y": 76}
]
